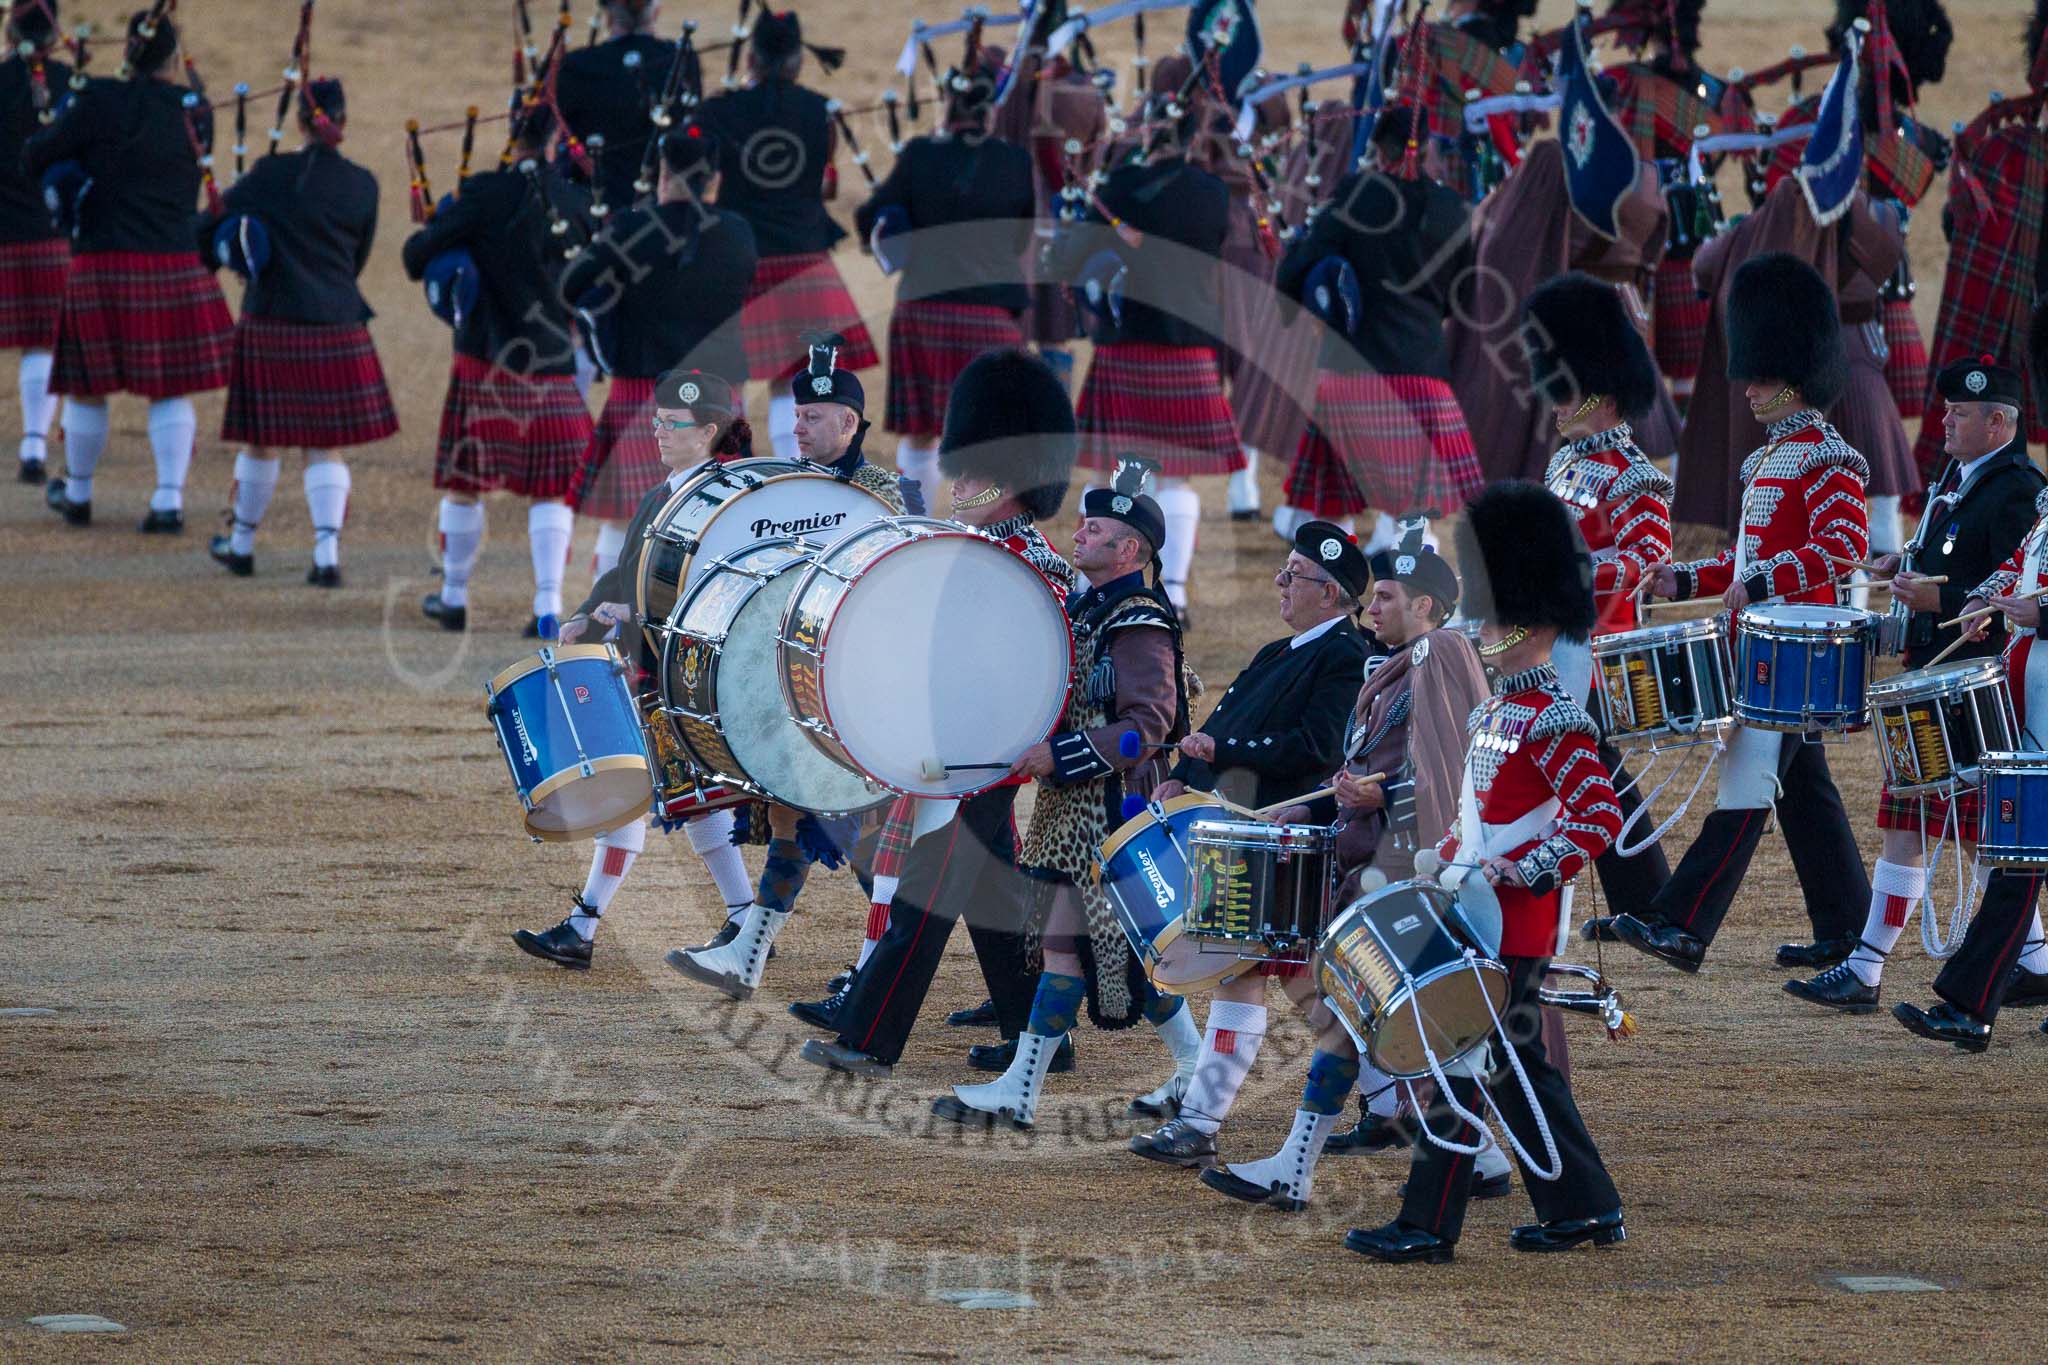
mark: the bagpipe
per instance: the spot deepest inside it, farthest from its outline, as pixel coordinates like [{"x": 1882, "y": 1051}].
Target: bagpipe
[
  {"x": 241, "y": 242},
  {"x": 1967, "y": 194}
]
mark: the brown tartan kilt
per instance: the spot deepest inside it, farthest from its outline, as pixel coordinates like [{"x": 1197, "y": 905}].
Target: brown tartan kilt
[
  {"x": 1927, "y": 813},
  {"x": 32, "y": 293},
  {"x": 791, "y": 298},
  {"x": 149, "y": 323},
  {"x": 318, "y": 386},
  {"x": 1399, "y": 442},
  {"x": 1905, "y": 364},
  {"x": 525, "y": 434},
  {"x": 622, "y": 461},
  {"x": 1681, "y": 323},
  {"x": 929, "y": 344},
  {"x": 1164, "y": 403}
]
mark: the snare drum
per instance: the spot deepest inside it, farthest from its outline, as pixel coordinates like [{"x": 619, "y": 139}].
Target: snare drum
[
  {"x": 1933, "y": 724},
  {"x": 1803, "y": 668},
  {"x": 680, "y": 790},
  {"x": 2013, "y": 828},
  {"x": 1144, "y": 872},
  {"x": 924, "y": 656},
  {"x": 1264, "y": 888},
  {"x": 717, "y": 672},
  {"x": 1400, "y": 953},
  {"x": 1664, "y": 686},
  {"x": 566, "y": 723}
]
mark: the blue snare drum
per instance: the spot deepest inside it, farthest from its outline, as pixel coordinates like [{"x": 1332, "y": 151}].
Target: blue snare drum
[
  {"x": 571, "y": 735},
  {"x": 1145, "y": 875},
  {"x": 1803, "y": 668},
  {"x": 2013, "y": 824}
]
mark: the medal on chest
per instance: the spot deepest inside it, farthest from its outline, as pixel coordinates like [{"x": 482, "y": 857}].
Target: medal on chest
[{"x": 1501, "y": 732}]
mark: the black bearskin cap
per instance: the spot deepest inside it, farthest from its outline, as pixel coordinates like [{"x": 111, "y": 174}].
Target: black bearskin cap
[
  {"x": 1009, "y": 421},
  {"x": 1920, "y": 29},
  {"x": 1783, "y": 323},
  {"x": 1579, "y": 341},
  {"x": 1523, "y": 563}
]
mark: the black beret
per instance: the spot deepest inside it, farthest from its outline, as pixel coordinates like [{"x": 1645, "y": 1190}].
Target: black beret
[
  {"x": 1127, "y": 501},
  {"x": 1982, "y": 380},
  {"x": 693, "y": 389},
  {"x": 1329, "y": 548}
]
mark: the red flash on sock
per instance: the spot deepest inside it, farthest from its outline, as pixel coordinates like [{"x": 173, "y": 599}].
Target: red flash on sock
[
  {"x": 615, "y": 861},
  {"x": 1226, "y": 1042},
  {"x": 1896, "y": 908},
  {"x": 878, "y": 921}
]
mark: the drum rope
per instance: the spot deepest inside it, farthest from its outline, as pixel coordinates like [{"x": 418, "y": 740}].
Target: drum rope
[
  {"x": 1621, "y": 844},
  {"x": 1940, "y": 945},
  {"x": 1443, "y": 1084}
]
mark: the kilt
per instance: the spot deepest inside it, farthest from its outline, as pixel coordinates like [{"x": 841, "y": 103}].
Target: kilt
[
  {"x": 1393, "y": 442},
  {"x": 929, "y": 344},
  {"x": 32, "y": 293},
  {"x": 139, "y": 322},
  {"x": 1164, "y": 403},
  {"x": 524, "y": 434},
  {"x": 1905, "y": 364},
  {"x": 622, "y": 462},
  {"x": 791, "y": 298},
  {"x": 1681, "y": 321},
  {"x": 1927, "y": 813},
  {"x": 314, "y": 385}
]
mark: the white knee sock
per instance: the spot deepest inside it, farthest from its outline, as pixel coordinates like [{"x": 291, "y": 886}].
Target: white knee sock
[
  {"x": 1884, "y": 525},
  {"x": 462, "y": 538},
  {"x": 611, "y": 539},
  {"x": 1381, "y": 1094},
  {"x": 1491, "y": 1161},
  {"x": 919, "y": 461},
  {"x": 549, "y": 526},
  {"x": 85, "y": 440},
  {"x": 255, "y": 481},
  {"x": 2035, "y": 958},
  {"x": 782, "y": 424},
  {"x": 711, "y": 836},
  {"x": 609, "y": 862},
  {"x": 38, "y": 407},
  {"x": 327, "y": 484},
  {"x": 173, "y": 426},
  {"x": 1230, "y": 1044},
  {"x": 1244, "y": 484},
  {"x": 1183, "y": 509},
  {"x": 1894, "y": 891}
]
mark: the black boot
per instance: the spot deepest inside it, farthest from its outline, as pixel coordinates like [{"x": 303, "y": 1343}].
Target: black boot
[
  {"x": 1945, "y": 1024},
  {"x": 222, "y": 549},
  {"x": 981, "y": 1016},
  {"x": 1562, "y": 1234},
  {"x": 1398, "y": 1242},
  {"x": 1824, "y": 952},
  {"x": 1660, "y": 940},
  {"x": 1696, "y": 899},
  {"x": 1838, "y": 988},
  {"x": 451, "y": 618},
  {"x": 324, "y": 576},
  {"x": 33, "y": 471},
  {"x": 1372, "y": 1133},
  {"x": 2027, "y": 988},
  {"x": 74, "y": 513},
  {"x": 162, "y": 522},
  {"x": 824, "y": 1013}
]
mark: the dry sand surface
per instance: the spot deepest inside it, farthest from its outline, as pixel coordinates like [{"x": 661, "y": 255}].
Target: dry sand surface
[{"x": 299, "y": 1096}]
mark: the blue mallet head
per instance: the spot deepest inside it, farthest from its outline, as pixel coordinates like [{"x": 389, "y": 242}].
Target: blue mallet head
[
  {"x": 1129, "y": 745},
  {"x": 1133, "y": 806}
]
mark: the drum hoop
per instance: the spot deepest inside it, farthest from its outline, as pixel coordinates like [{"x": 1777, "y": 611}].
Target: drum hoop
[
  {"x": 1318, "y": 838},
  {"x": 1946, "y": 682},
  {"x": 1129, "y": 829},
  {"x": 533, "y": 663},
  {"x": 1828, "y": 635},
  {"x": 1647, "y": 638},
  {"x": 2011, "y": 761}
]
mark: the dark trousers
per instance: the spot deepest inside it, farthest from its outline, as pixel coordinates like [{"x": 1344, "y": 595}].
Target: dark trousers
[
  {"x": 1629, "y": 884},
  {"x": 1440, "y": 1182},
  {"x": 968, "y": 869},
  {"x": 1976, "y": 978},
  {"x": 1817, "y": 835}
]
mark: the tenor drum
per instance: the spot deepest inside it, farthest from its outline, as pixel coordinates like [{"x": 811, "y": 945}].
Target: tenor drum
[
  {"x": 924, "y": 656},
  {"x": 1145, "y": 875},
  {"x": 1803, "y": 668},
  {"x": 1933, "y": 724},
  {"x": 718, "y": 682},
  {"x": 1665, "y": 687},
  {"x": 680, "y": 790},
  {"x": 566, "y": 723},
  {"x": 1262, "y": 889},
  {"x": 2013, "y": 824},
  {"x": 1394, "y": 967},
  {"x": 723, "y": 508}
]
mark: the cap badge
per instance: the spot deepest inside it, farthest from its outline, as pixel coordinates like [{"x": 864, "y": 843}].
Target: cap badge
[
  {"x": 1330, "y": 549},
  {"x": 1404, "y": 565},
  {"x": 690, "y": 393},
  {"x": 821, "y": 384},
  {"x": 1975, "y": 381},
  {"x": 1119, "y": 504}
]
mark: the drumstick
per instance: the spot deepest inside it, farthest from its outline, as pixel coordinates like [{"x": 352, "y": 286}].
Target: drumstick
[
  {"x": 1987, "y": 610},
  {"x": 1953, "y": 646},
  {"x": 1315, "y": 795},
  {"x": 1866, "y": 566}
]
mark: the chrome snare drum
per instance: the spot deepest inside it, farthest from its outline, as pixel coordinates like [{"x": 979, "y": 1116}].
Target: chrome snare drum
[
  {"x": 1265, "y": 889},
  {"x": 1803, "y": 668},
  {"x": 1664, "y": 686},
  {"x": 1933, "y": 724}
]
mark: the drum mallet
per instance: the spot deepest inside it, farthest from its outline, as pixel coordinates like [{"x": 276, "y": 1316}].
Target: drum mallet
[
  {"x": 932, "y": 770},
  {"x": 1130, "y": 746},
  {"x": 1318, "y": 794}
]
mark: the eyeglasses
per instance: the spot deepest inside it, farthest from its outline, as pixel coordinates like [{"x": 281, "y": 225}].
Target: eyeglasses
[
  {"x": 1286, "y": 577},
  {"x": 670, "y": 424}
]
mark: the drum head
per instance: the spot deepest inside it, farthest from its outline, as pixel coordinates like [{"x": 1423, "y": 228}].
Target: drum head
[
  {"x": 1805, "y": 617},
  {"x": 1457, "y": 1004},
  {"x": 946, "y": 649},
  {"x": 584, "y": 807}
]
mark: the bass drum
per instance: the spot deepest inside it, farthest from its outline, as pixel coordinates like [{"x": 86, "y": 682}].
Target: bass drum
[
  {"x": 723, "y": 508},
  {"x": 718, "y": 665}
]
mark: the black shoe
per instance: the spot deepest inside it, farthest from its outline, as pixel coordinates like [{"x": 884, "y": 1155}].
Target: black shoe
[
  {"x": 324, "y": 575},
  {"x": 981, "y": 1016},
  {"x": 1945, "y": 1024},
  {"x": 1372, "y": 1134},
  {"x": 1483, "y": 1186},
  {"x": 956, "y": 1110},
  {"x": 1838, "y": 988},
  {"x": 841, "y": 983},
  {"x": 1178, "y": 1143},
  {"x": 1562, "y": 1234},
  {"x": 726, "y": 934},
  {"x": 223, "y": 551},
  {"x": 561, "y": 945},
  {"x": 1244, "y": 514},
  {"x": 824, "y": 1013},
  {"x": 162, "y": 523},
  {"x": 76, "y": 513},
  {"x": 451, "y": 618},
  {"x": 1660, "y": 940},
  {"x": 32, "y": 472},
  {"x": 836, "y": 1056},
  {"x": 998, "y": 1056},
  {"x": 1813, "y": 956},
  {"x": 2027, "y": 988},
  {"x": 1397, "y": 1243},
  {"x": 1599, "y": 929}
]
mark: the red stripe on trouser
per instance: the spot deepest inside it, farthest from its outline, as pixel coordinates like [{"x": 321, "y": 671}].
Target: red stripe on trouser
[
  {"x": 615, "y": 861},
  {"x": 2020, "y": 924},
  {"x": 1465, "y": 1136},
  {"x": 923, "y": 919},
  {"x": 878, "y": 920},
  {"x": 1224, "y": 1044},
  {"x": 1715, "y": 875}
]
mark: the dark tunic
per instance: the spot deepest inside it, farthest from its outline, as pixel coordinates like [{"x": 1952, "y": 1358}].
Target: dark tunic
[
  {"x": 942, "y": 181},
  {"x": 320, "y": 209},
  {"x": 1176, "y": 203},
  {"x": 23, "y": 215},
  {"x": 131, "y": 138},
  {"x": 604, "y": 92},
  {"x": 667, "y": 282},
  {"x": 775, "y": 141},
  {"x": 1968, "y": 540}
]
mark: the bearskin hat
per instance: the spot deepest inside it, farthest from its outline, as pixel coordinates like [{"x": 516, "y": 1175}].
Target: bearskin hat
[
  {"x": 1920, "y": 29},
  {"x": 1523, "y": 563},
  {"x": 1008, "y": 420},
  {"x": 1579, "y": 341},
  {"x": 1783, "y": 323}
]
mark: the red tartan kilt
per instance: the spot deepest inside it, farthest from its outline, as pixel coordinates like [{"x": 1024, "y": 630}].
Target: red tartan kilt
[
  {"x": 32, "y": 293},
  {"x": 1914, "y": 813},
  {"x": 1681, "y": 323},
  {"x": 1905, "y": 365},
  {"x": 1164, "y": 403},
  {"x": 791, "y": 298},
  {"x": 318, "y": 386},
  {"x": 523, "y": 434},
  {"x": 153, "y": 324},
  {"x": 622, "y": 461},
  {"x": 929, "y": 344},
  {"x": 1394, "y": 442}
]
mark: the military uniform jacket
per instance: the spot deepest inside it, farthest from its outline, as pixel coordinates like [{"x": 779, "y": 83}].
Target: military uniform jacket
[
  {"x": 1622, "y": 504},
  {"x": 662, "y": 286},
  {"x": 2024, "y": 571},
  {"x": 1967, "y": 539},
  {"x": 320, "y": 209},
  {"x": 23, "y": 215},
  {"x": 133, "y": 140},
  {"x": 609, "y": 91}
]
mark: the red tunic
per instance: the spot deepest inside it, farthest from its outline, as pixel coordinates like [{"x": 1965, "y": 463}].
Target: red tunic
[
  {"x": 2024, "y": 570},
  {"x": 1622, "y": 503},
  {"x": 1802, "y": 502}
]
